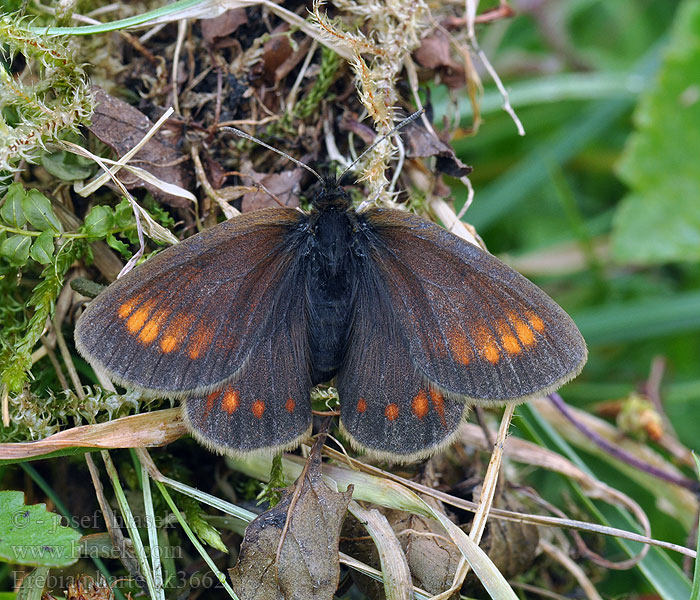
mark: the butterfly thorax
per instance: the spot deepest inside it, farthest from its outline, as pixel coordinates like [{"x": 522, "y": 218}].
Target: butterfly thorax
[{"x": 330, "y": 288}]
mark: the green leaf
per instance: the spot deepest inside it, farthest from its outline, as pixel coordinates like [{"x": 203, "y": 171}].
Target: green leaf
[
  {"x": 11, "y": 211},
  {"x": 16, "y": 249},
  {"x": 659, "y": 221},
  {"x": 43, "y": 248},
  {"x": 31, "y": 535},
  {"x": 38, "y": 210},
  {"x": 123, "y": 214},
  {"x": 67, "y": 166},
  {"x": 98, "y": 221},
  {"x": 33, "y": 584},
  {"x": 118, "y": 245},
  {"x": 204, "y": 531}
]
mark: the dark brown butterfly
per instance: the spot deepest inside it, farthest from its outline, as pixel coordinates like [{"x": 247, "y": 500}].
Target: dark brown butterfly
[{"x": 414, "y": 323}]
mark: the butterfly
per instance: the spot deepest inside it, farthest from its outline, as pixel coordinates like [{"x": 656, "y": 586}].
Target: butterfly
[{"x": 412, "y": 324}]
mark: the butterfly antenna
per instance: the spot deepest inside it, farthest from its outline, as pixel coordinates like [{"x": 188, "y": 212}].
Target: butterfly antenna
[
  {"x": 402, "y": 124},
  {"x": 247, "y": 136}
]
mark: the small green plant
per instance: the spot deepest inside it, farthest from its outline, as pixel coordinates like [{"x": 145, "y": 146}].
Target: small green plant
[{"x": 57, "y": 101}]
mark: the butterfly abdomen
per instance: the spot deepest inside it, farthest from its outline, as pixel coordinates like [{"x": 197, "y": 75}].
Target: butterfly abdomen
[{"x": 330, "y": 288}]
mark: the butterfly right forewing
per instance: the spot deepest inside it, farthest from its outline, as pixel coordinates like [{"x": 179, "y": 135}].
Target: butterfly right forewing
[{"x": 475, "y": 327}]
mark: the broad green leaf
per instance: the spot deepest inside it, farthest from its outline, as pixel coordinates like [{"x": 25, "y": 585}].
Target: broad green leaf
[
  {"x": 67, "y": 166},
  {"x": 43, "y": 248},
  {"x": 11, "y": 211},
  {"x": 123, "y": 214},
  {"x": 659, "y": 221},
  {"x": 16, "y": 249},
  {"x": 31, "y": 535},
  {"x": 98, "y": 221},
  {"x": 37, "y": 208}
]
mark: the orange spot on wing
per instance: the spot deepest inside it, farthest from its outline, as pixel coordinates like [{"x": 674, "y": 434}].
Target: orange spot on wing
[
  {"x": 361, "y": 405},
  {"x": 522, "y": 330},
  {"x": 138, "y": 318},
  {"x": 420, "y": 404},
  {"x": 200, "y": 340},
  {"x": 491, "y": 353},
  {"x": 459, "y": 345},
  {"x": 128, "y": 307},
  {"x": 391, "y": 412},
  {"x": 438, "y": 401},
  {"x": 152, "y": 327},
  {"x": 211, "y": 400},
  {"x": 508, "y": 341},
  {"x": 258, "y": 409},
  {"x": 231, "y": 401},
  {"x": 535, "y": 321},
  {"x": 487, "y": 345},
  {"x": 290, "y": 405},
  {"x": 176, "y": 332},
  {"x": 510, "y": 344}
]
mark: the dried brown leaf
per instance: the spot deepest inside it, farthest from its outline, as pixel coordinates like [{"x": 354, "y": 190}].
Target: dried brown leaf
[
  {"x": 214, "y": 30},
  {"x": 434, "y": 53},
  {"x": 421, "y": 143},
  {"x": 284, "y": 185},
  {"x": 138, "y": 431},
  {"x": 121, "y": 127},
  {"x": 308, "y": 567}
]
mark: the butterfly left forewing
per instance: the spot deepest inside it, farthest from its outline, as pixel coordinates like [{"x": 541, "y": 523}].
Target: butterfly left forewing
[{"x": 474, "y": 326}]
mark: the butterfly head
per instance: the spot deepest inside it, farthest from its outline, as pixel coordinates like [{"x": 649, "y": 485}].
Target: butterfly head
[{"x": 331, "y": 196}]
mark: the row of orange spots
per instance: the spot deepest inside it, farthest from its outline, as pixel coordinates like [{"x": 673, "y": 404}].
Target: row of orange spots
[
  {"x": 513, "y": 335},
  {"x": 231, "y": 400},
  {"x": 420, "y": 405},
  {"x": 148, "y": 326}
]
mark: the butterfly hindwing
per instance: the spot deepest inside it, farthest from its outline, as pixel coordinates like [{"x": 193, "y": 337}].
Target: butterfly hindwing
[
  {"x": 474, "y": 326},
  {"x": 387, "y": 406},
  {"x": 267, "y": 404},
  {"x": 186, "y": 320}
]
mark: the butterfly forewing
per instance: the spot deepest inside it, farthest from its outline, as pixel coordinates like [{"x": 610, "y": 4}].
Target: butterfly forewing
[
  {"x": 387, "y": 406},
  {"x": 266, "y": 405},
  {"x": 474, "y": 326},
  {"x": 187, "y": 319}
]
